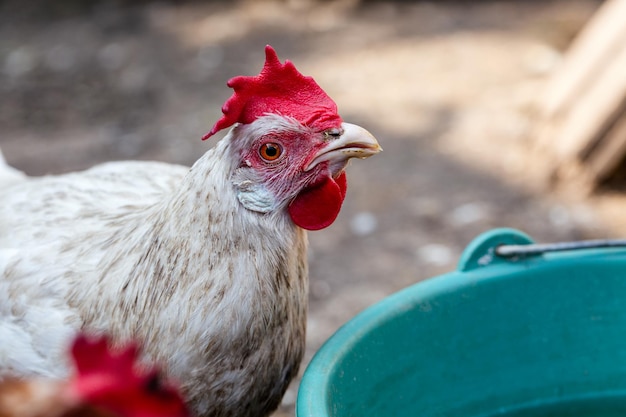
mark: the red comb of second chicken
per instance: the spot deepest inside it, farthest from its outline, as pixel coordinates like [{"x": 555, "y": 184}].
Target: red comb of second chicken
[{"x": 111, "y": 381}]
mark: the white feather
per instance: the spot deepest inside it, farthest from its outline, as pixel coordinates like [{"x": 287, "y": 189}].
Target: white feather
[
  {"x": 162, "y": 254},
  {"x": 8, "y": 174}
]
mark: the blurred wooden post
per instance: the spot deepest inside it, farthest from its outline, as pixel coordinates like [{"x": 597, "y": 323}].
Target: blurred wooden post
[{"x": 583, "y": 113}]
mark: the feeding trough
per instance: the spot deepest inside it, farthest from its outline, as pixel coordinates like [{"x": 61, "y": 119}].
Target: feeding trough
[{"x": 518, "y": 330}]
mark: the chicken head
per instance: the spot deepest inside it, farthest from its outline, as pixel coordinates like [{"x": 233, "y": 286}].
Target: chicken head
[{"x": 291, "y": 144}]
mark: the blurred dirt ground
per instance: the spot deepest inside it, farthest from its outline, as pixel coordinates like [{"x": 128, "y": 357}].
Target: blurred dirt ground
[{"x": 447, "y": 87}]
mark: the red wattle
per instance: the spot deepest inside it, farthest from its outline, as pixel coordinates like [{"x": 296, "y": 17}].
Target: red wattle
[{"x": 317, "y": 207}]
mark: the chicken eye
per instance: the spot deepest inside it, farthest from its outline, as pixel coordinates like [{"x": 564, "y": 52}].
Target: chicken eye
[{"x": 270, "y": 151}]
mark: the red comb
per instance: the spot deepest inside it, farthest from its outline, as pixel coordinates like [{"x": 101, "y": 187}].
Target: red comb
[
  {"x": 93, "y": 356},
  {"x": 279, "y": 89},
  {"x": 109, "y": 380}
]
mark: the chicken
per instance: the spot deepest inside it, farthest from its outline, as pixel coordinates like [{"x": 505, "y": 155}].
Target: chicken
[
  {"x": 204, "y": 266},
  {"x": 104, "y": 384}
]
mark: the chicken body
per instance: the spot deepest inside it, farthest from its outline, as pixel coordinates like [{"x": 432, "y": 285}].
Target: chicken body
[
  {"x": 205, "y": 266},
  {"x": 158, "y": 253}
]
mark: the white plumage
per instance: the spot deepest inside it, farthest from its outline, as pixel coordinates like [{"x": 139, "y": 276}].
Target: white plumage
[
  {"x": 152, "y": 252},
  {"x": 203, "y": 266}
]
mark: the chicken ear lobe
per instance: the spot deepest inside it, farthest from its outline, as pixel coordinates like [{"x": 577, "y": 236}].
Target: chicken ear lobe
[{"x": 317, "y": 207}]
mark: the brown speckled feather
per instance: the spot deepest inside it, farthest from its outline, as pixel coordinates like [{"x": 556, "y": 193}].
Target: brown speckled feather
[
  {"x": 204, "y": 267},
  {"x": 147, "y": 251}
]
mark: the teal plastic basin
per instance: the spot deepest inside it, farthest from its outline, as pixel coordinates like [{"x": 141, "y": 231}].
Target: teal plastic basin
[{"x": 541, "y": 335}]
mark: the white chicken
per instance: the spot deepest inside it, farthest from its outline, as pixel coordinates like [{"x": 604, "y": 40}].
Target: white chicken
[{"x": 204, "y": 266}]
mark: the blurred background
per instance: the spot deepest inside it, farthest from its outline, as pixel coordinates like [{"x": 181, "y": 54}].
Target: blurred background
[{"x": 490, "y": 113}]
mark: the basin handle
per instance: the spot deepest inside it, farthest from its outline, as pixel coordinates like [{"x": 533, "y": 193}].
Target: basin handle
[
  {"x": 504, "y": 246},
  {"x": 481, "y": 252},
  {"x": 509, "y": 251}
]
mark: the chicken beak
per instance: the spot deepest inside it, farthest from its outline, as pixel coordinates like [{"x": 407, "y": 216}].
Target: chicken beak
[{"x": 355, "y": 142}]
